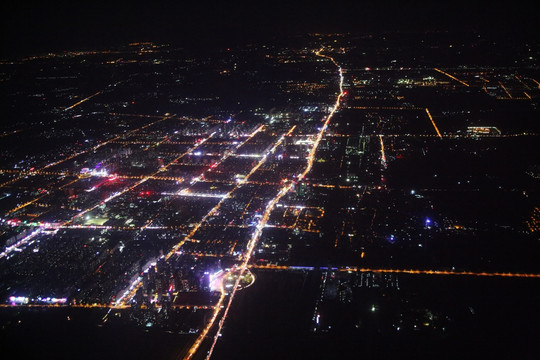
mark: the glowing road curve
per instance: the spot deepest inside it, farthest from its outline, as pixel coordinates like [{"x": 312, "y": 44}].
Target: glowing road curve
[{"x": 288, "y": 185}]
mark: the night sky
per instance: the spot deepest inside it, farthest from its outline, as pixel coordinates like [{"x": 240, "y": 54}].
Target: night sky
[{"x": 37, "y": 26}]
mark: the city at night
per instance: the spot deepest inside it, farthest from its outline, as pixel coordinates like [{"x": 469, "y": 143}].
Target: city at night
[{"x": 269, "y": 180}]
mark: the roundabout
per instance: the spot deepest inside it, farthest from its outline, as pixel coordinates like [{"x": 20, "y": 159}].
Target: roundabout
[{"x": 244, "y": 278}]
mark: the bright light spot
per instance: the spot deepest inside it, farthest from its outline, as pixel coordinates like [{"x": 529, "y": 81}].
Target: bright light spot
[{"x": 18, "y": 299}]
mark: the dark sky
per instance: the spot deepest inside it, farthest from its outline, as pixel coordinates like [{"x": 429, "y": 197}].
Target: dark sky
[{"x": 37, "y": 26}]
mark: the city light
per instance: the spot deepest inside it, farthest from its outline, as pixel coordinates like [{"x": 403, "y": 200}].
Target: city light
[
  {"x": 184, "y": 191},
  {"x": 264, "y": 219}
]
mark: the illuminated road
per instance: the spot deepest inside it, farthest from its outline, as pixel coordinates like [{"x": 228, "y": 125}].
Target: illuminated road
[
  {"x": 311, "y": 156},
  {"x": 186, "y": 191},
  {"x": 218, "y": 284},
  {"x": 111, "y": 197},
  {"x": 83, "y": 100},
  {"x": 104, "y": 306},
  {"x": 383, "y": 157},
  {"x": 400, "y": 271},
  {"x": 166, "y": 116},
  {"x": 433, "y": 123},
  {"x": 384, "y": 108},
  {"x": 129, "y": 133},
  {"x": 505, "y": 90},
  {"x": 11, "y": 132},
  {"x": 200, "y": 177},
  {"x": 451, "y": 77},
  {"x": 24, "y": 241},
  {"x": 144, "y": 179},
  {"x": 132, "y": 289},
  {"x": 288, "y": 185}
]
